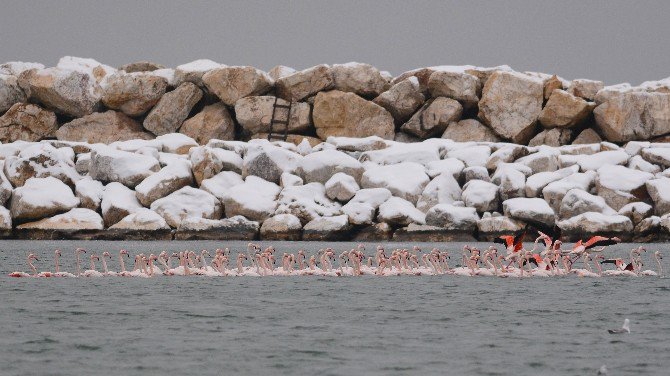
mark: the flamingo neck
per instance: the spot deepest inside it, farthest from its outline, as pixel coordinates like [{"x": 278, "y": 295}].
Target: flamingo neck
[{"x": 57, "y": 264}]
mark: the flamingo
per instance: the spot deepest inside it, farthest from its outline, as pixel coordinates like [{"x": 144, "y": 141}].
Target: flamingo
[
  {"x": 58, "y": 273},
  {"x": 658, "y": 257},
  {"x": 31, "y": 257},
  {"x": 92, "y": 272}
]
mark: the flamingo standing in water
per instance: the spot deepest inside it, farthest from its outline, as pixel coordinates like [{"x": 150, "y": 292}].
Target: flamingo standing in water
[
  {"x": 92, "y": 272},
  {"x": 58, "y": 273},
  {"x": 31, "y": 257}
]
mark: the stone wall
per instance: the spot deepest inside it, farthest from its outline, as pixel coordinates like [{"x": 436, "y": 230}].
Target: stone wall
[
  {"x": 86, "y": 101},
  {"x": 169, "y": 187}
]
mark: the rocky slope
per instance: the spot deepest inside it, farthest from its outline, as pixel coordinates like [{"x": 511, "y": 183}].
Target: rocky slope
[
  {"x": 344, "y": 188},
  {"x": 87, "y": 101}
]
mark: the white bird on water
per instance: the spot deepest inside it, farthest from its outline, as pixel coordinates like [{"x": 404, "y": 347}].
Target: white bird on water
[
  {"x": 603, "y": 370},
  {"x": 624, "y": 329}
]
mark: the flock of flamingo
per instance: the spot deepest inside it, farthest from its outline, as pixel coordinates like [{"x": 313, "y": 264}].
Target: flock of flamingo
[{"x": 516, "y": 262}]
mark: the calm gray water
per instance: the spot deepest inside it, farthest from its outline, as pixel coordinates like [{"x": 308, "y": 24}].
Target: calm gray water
[{"x": 445, "y": 325}]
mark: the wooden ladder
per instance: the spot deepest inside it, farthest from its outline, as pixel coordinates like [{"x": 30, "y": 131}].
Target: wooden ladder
[{"x": 277, "y": 134}]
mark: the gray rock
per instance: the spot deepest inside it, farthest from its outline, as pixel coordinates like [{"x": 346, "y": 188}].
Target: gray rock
[
  {"x": 660, "y": 195},
  {"x": 452, "y": 217},
  {"x": 169, "y": 179},
  {"x": 255, "y": 199},
  {"x": 232, "y": 83},
  {"x": 400, "y": 212},
  {"x": 433, "y": 118},
  {"x": 172, "y": 109},
  {"x": 322, "y": 165},
  {"x": 132, "y": 94},
  {"x": 327, "y": 228},
  {"x": 282, "y": 227},
  {"x": 68, "y": 92},
  {"x": 490, "y": 228},
  {"x": 89, "y": 192},
  {"x": 40, "y": 161},
  {"x": 576, "y": 202},
  {"x": 341, "y": 187},
  {"x": 213, "y": 122},
  {"x": 402, "y": 99},
  {"x": 481, "y": 195},
  {"x": 589, "y": 224},
  {"x": 530, "y": 210},
  {"x": 109, "y": 165},
  {"x": 29, "y": 201},
  {"x": 637, "y": 211},
  {"x": 307, "y": 202},
  {"x": 10, "y": 92},
  {"x": 118, "y": 201},
  {"x": 305, "y": 83},
  {"x": 362, "y": 79},
  {"x": 235, "y": 228}
]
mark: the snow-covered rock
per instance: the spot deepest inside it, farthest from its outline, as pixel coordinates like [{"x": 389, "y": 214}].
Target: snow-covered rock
[
  {"x": 452, "y": 166},
  {"x": 219, "y": 184},
  {"x": 76, "y": 219},
  {"x": 371, "y": 196},
  {"x": 341, "y": 187},
  {"x": 40, "y": 198},
  {"x": 481, "y": 195},
  {"x": 590, "y": 223},
  {"x": 512, "y": 183},
  {"x": 327, "y": 228},
  {"x": 118, "y": 201},
  {"x": 89, "y": 192},
  {"x": 197, "y": 228},
  {"x": 207, "y": 162},
  {"x": 471, "y": 155},
  {"x": 322, "y": 165},
  {"x": 532, "y": 210},
  {"x": 169, "y": 179},
  {"x": 109, "y": 165},
  {"x": 254, "y": 199},
  {"x": 359, "y": 213},
  {"x": 142, "y": 220},
  {"x": 397, "y": 211},
  {"x": 536, "y": 182},
  {"x": 354, "y": 144},
  {"x": 638, "y": 163},
  {"x": 576, "y": 202},
  {"x": 477, "y": 173},
  {"x": 659, "y": 190},
  {"x": 604, "y": 158},
  {"x": 405, "y": 180},
  {"x": 268, "y": 162},
  {"x": 659, "y": 156},
  {"x": 443, "y": 189},
  {"x": 637, "y": 211},
  {"x": 452, "y": 217},
  {"x": 307, "y": 202},
  {"x": 289, "y": 180},
  {"x": 176, "y": 143},
  {"x": 619, "y": 185},
  {"x": 282, "y": 227},
  {"x": 554, "y": 192},
  {"x": 489, "y": 228},
  {"x": 39, "y": 161},
  {"x": 542, "y": 161},
  {"x": 421, "y": 152},
  {"x": 187, "y": 202}
]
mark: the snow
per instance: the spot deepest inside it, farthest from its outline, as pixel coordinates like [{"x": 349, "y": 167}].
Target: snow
[
  {"x": 176, "y": 143},
  {"x": 452, "y": 217},
  {"x": 254, "y": 199},
  {"x": 142, "y": 219},
  {"x": 542, "y": 161},
  {"x": 535, "y": 183},
  {"x": 553, "y": 193},
  {"x": 405, "y": 180},
  {"x": 322, "y": 165},
  {"x": 15, "y": 68},
  {"x": 452, "y": 166},
  {"x": 534, "y": 210},
  {"x": 325, "y": 224},
  {"x": 12, "y": 149},
  {"x": 359, "y": 213},
  {"x": 75, "y": 219},
  {"x": 220, "y": 184},
  {"x": 398, "y": 211},
  {"x": 167, "y": 180},
  {"x": 119, "y": 197},
  {"x": 371, "y": 196},
  {"x": 471, "y": 156},
  {"x": 620, "y": 178},
  {"x": 238, "y": 147},
  {"x": 604, "y": 158},
  {"x": 200, "y": 65},
  {"x": 307, "y": 202},
  {"x": 577, "y": 201},
  {"x": 5, "y": 219},
  {"x": 597, "y": 223},
  {"x": 109, "y": 165},
  {"x": 134, "y": 145},
  {"x": 419, "y": 152},
  {"x": 304, "y": 147},
  {"x": 444, "y": 189},
  {"x": 657, "y": 155},
  {"x": 638, "y": 163},
  {"x": 90, "y": 191},
  {"x": 169, "y": 158},
  {"x": 166, "y": 73},
  {"x": 504, "y": 167},
  {"x": 187, "y": 202},
  {"x": 289, "y": 180},
  {"x": 44, "y": 160},
  {"x": 480, "y": 195},
  {"x": 90, "y": 67},
  {"x": 659, "y": 190},
  {"x": 285, "y": 160}
]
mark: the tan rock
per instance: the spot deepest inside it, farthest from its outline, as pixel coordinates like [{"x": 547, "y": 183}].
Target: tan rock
[
  {"x": 588, "y": 136},
  {"x": 213, "y": 122},
  {"x": 72, "y": 93},
  {"x": 362, "y": 79},
  {"x": 628, "y": 116},
  {"x": 586, "y": 89},
  {"x": 10, "y": 92},
  {"x": 102, "y": 127},
  {"x": 280, "y": 71},
  {"x": 469, "y": 130},
  {"x": 31, "y": 201},
  {"x": 433, "y": 118},
  {"x": 346, "y": 114},
  {"x": 40, "y": 160},
  {"x": 565, "y": 110},
  {"x": 460, "y": 86},
  {"x": 75, "y": 219},
  {"x": 402, "y": 99},
  {"x": 27, "y": 122},
  {"x": 172, "y": 109},
  {"x": 133, "y": 94},
  {"x": 305, "y": 83},
  {"x": 233, "y": 83},
  {"x": 511, "y": 104},
  {"x": 552, "y": 84},
  {"x": 552, "y": 137},
  {"x": 255, "y": 113},
  {"x": 141, "y": 66}
]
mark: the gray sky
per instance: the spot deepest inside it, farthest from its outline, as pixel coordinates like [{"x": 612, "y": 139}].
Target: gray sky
[{"x": 614, "y": 41}]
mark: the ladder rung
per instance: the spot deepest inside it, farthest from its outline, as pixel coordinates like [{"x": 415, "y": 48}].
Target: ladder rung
[{"x": 282, "y": 105}]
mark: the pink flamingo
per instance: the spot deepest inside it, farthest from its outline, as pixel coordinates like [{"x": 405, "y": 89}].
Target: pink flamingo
[
  {"x": 31, "y": 257},
  {"x": 58, "y": 273}
]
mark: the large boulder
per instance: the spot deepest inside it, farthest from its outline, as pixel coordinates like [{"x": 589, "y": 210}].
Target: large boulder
[
  {"x": 433, "y": 118},
  {"x": 564, "y": 110},
  {"x": 269, "y": 162},
  {"x": 510, "y": 105},
  {"x": 322, "y": 165},
  {"x": 132, "y": 94},
  {"x": 337, "y": 113},
  {"x": 5, "y": 188},
  {"x": 172, "y": 109},
  {"x": 305, "y": 83},
  {"x": 254, "y": 199},
  {"x": 637, "y": 211},
  {"x": 481, "y": 195},
  {"x": 143, "y": 220},
  {"x": 536, "y": 182},
  {"x": 141, "y": 66},
  {"x": 68, "y": 92},
  {"x": 452, "y": 217},
  {"x": 635, "y": 115},
  {"x": 530, "y": 210},
  {"x": 659, "y": 190},
  {"x": 39, "y": 161},
  {"x": 307, "y": 202},
  {"x": 235, "y": 228},
  {"x": 512, "y": 183},
  {"x": 341, "y": 187},
  {"x": 255, "y": 114},
  {"x": 619, "y": 185},
  {"x": 77, "y": 219},
  {"x": 175, "y": 143},
  {"x": 362, "y": 79},
  {"x": 359, "y": 213},
  {"x": 490, "y": 227},
  {"x": 554, "y": 192},
  {"x": 405, "y": 180},
  {"x": 193, "y": 71},
  {"x": 206, "y": 162},
  {"x": 102, "y": 127},
  {"x": 576, "y": 202},
  {"x": 590, "y": 223},
  {"x": 109, "y": 165},
  {"x": 469, "y": 130},
  {"x": 233, "y": 83},
  {"x": 213, "y": 122},
  {"x": 327, "y": 228},
  {"x": 584, "y": 88},
  {"x": 460, "y": 86},
  {"x": 399, "y": 212},
  {"x": 219, "y": 184},
  {"x": 185, "y": 203},
  {"x": 402, "y": 99},
  {"x": 169, "y": 179},
  {"x": 659, "y": 156},
  {"x": 27, "y": 122},
  {"x": 443, "y": 189},
  {"x": 552, "y": 137},
  {"x": 10, "y": 92},
  {"x": 89, "y": 192},
  {"x": 40, "y": 198},
  {"x": 118, "y": 201},
  {"x": 282, "y": 227},
  {"x": 587, "y": 136}
]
